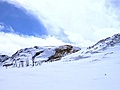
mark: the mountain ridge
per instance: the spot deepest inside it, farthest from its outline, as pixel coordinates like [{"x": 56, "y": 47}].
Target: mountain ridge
[
  {"x": 36, "y": 55},
  {"x": 100, "y": 47}
]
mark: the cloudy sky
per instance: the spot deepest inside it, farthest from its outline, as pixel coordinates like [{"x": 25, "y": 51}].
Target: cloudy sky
[{"x": 81, "y": 22}]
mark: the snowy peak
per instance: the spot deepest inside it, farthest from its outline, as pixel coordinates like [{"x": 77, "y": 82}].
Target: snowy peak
[
  {"x": 105, "y": 43},
  {"x": 101, "y": 48}
]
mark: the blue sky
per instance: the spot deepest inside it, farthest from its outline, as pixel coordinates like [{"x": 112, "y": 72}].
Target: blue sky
[{"x": 20, "y": 20}]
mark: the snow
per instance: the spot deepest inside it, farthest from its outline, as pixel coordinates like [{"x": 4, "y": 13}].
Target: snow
[{"x": 98, "y": 72}]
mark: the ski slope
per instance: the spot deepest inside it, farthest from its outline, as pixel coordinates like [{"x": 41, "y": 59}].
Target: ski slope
[{"x": 101, "y": 71}]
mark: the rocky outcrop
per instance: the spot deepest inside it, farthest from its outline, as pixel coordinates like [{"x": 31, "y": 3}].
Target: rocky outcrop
[
  {"x": 3, "y": 58},
  {"x": 61, "y": 52}
]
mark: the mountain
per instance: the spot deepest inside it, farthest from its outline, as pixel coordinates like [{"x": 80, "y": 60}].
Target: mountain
[
  {"x": 37, "y": 55},
  {"x": 15, "y": 18},
  {"x": 99, "y": 48},
  {"x": 106, "y": 43}
]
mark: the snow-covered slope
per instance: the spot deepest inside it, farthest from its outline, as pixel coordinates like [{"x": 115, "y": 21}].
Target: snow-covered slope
[
  {"x": 93, "y": 68},
  {"x": 101, "y": 71},
  {"x": 97, "y": 49},
  {"x": 37, "y": 55},
  {"x": 106, "y": 43}
]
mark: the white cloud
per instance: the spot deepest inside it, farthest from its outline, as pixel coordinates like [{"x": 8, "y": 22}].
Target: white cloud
[
  {"x": 10, "y": 43},
  {"x": 83, "y": 22},
  {"x": 74, "y": 16}
]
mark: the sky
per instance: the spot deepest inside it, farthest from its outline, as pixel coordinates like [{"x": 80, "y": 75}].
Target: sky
[
  {"x": 13, "y": 42},
  {"x": 80, "y": 22},
  {"x": 18, "y": 20}
]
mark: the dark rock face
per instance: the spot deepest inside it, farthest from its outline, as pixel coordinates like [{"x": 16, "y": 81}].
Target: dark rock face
[
  {"x": 3, "y": 58},
  {"x": 61, "y": 52}
]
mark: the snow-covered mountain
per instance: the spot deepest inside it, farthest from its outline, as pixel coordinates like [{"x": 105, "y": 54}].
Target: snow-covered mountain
[
  {"x": 37, "y": 55},
  {"x": 106, "y": 43},
  {"x": 97, "y": 49}
]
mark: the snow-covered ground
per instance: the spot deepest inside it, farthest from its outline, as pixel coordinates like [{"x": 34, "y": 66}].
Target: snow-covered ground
[{"x": 101, "y": 71}]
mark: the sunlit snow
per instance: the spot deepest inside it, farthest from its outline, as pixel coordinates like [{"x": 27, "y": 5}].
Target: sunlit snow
[{"x": 99, "y": 72}]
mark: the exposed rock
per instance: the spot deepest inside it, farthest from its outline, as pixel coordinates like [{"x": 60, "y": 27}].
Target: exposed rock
[
  {"x": 61, "y": 52},
  {"x": 3, "y": 58}
]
